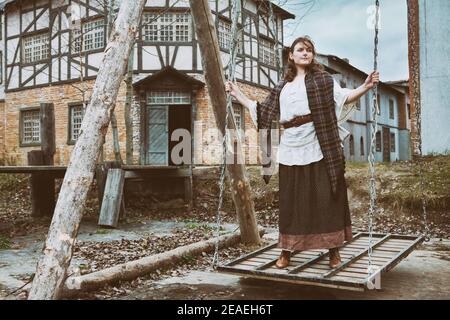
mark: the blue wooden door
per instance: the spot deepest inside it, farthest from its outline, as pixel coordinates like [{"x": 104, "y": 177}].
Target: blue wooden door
[{"x": 158, "y": 135}]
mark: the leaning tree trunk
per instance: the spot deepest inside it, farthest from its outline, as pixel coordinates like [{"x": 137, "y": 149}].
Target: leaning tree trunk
[
  {"x": 215, "y": 80},
  {"x": 52, "y": 266}
]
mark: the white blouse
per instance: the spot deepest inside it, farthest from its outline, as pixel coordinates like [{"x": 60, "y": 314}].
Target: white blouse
[{"x": 299, "y": 145}]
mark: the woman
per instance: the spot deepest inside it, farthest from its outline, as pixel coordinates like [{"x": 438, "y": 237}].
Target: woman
[{"x": 314, "y": 211}]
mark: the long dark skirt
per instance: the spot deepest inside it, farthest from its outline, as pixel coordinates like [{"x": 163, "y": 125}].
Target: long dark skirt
[{"x": 310, "y": 217}]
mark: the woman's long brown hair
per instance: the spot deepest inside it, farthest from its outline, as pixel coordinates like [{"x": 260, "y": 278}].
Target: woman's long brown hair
[{"x": 314, "y": 66}]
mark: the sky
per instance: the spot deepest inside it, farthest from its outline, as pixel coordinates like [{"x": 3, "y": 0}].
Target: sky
[{"x": 340, "y": 28}]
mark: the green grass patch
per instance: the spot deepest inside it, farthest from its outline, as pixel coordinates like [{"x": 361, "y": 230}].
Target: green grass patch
[
  {"x": 5, "y": 243},
  {"x": 102, "y": 231}
]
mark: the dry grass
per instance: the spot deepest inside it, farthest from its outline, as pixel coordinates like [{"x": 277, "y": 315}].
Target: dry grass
[{"x": 398, "y": 184}]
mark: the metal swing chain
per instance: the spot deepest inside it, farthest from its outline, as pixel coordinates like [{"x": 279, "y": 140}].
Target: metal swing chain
[
  {"x": 235, "y": 11},
  {"x": 372, "y": 183}
]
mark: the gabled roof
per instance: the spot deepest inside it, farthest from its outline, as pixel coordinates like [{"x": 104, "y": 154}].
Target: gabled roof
[
  {"x": 169, "y": 76},
  {"x": 346, "y": 63},
  {"x": 276, "y": 9}
]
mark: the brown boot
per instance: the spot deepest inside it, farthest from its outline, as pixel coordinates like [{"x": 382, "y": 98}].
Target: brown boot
[
  {"x": 335, "y": 258},
  {"x": 283, "y": 260}
]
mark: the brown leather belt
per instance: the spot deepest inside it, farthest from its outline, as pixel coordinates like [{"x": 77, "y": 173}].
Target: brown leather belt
[{"x": 297, "y": 121}]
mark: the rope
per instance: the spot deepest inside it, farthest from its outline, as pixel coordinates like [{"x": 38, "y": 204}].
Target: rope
[
  {"x": 372, "y": 184},
  {"x": 235, "y": 11}
]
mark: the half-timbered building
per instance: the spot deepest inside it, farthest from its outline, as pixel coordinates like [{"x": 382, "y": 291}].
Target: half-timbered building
[{"x": 53, "y": 50}]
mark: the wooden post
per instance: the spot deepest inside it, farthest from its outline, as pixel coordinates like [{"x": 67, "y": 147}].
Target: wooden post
[
  {"x": 42, "y": 183},
  {"x": 36, "y": 158},
  {"x": 215, "y": 80},
  {"x": 128, "y": 118},
  {"x": 48, "y": 145},
  {"x": 414, "y": 72},
  {"x": 52, "y": 266},
  {"x": 188, "y": 192}
]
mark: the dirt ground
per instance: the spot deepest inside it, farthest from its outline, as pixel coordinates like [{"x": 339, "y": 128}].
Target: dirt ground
[{"x": 399, "y": 211}]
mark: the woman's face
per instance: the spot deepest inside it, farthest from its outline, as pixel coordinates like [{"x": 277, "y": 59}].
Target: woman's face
[{"x": 303, "y": 55}]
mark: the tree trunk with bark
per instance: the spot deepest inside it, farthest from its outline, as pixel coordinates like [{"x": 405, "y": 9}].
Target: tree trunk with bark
[
  {"x": 215, "y": 80},
  {"x": 52, "y": 266}
]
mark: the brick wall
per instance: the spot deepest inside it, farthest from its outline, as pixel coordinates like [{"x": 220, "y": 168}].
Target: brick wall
[
  {"x": 3, "y": 159},
  {"x": 60, "y": 96},
  {"x": 206, "y": 151},
  {"x": 208, "y": 143}
]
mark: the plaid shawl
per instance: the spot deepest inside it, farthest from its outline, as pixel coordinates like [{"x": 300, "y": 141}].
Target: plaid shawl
[{"x": 319, "y": 89}]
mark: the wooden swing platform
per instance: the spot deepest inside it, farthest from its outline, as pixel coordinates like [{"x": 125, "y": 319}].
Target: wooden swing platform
[{"x": 311, "y": 267}]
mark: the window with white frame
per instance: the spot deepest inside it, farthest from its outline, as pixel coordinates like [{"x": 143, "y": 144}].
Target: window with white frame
[
  {"x": 91, "y": 36},
  {"x": 31, "y": 126},
  {"x": 35, "y": 48},
  {"x": 267, "y": 52},
  {"x": 167, "y": 27},
  {"x": 76, "y": 118},
  {"x": 224, "y": 34},
  {"x": 168, "y": 97}
]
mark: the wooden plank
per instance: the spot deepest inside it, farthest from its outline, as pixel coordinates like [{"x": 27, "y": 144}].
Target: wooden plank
[
  {"x": 362, "y": 270},
  {"x": 379, "y": 260},
  {"x": 352, "y": 275},
  {"x": 365, "y": 265},
  {"x": 146, "y": 174},
  {"x": 272, "y": 262},
  {"x": 321, "y": 255},
  {"x": 248, "y": 263},
  {"x": 400, "y": 242},
  {"x": 389, "y": 249},
  {"x": 110, "y": 210},
  {"x": 309, "y": 267},
  {"x": 344, "y": 264},
  {"x": 31, "y": 169},
  {"x": 268, "y": 256},
  {"x": 403, "y": 254},
  {"x": 337, "y": 282},
  {"x": 307, "y": 263},
  {"x": 244, "y": 267},
  {"x": 252, "y": 254},
  {"x": 258, "y": 259},
  {"x": 379, "y": 254}
]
